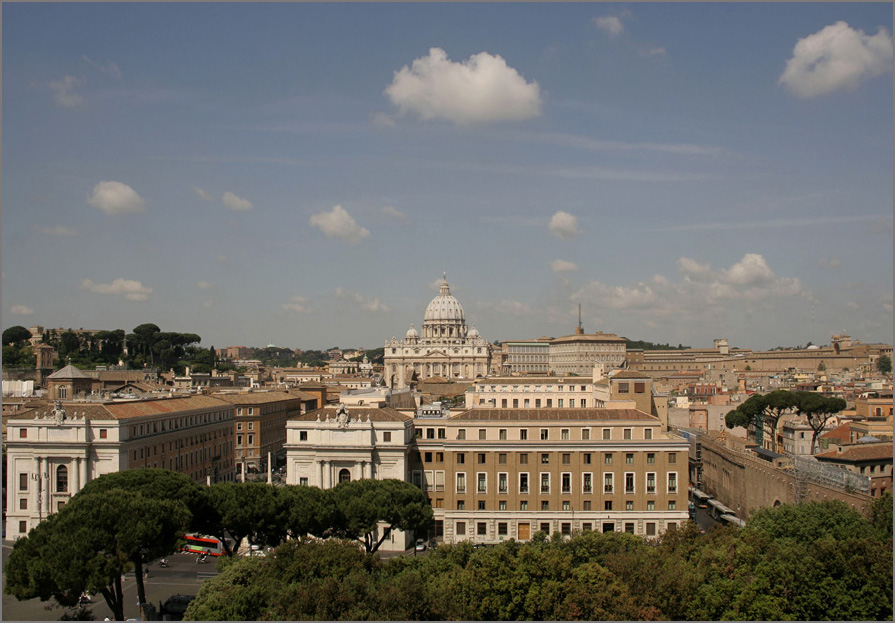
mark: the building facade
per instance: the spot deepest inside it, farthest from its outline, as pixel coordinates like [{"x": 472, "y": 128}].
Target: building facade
[
  {"x": 579, "y": 353},
  {"x": 51, "y": 454},
  {"x": 444, "y": 347}
]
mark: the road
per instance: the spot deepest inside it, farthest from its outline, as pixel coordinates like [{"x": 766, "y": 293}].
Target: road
[{"x": 179, "y": 577}]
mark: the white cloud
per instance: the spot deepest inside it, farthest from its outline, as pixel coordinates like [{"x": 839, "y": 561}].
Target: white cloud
[
  {"x": 57, "y": 230},
  {"x": 610, "y": 24},
  {"x": 836, "y": 57},
  {"x": 382, "y": 120},
  {"x": 128, "y": 288},
  {"x": 21, "y": 310},
  {"x": 204, "y": 195},
  {"x": 481, "y": 89},
  {"x": 394, "y": 212},
  {"x": 364, "y": 302},
  {"x": 115, "y": 198},
  {"x": 203, "y": 285},
  {"x": 235, "y": 203},
  {"x": 690, "y": 268},
  {"x": 64, "y": 92},
  {"x": 564, "y": 225},
  {"x": 751, "y": 270},
  {"x": 339, "y": 224},
  {"x": 109, "y": 68},
  {"x": 646, "y": 52},
  {"x": 297, "y": 304},
  {"x": 562, "y": 266}
]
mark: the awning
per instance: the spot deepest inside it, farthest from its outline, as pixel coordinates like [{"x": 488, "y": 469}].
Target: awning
[{"x": 702, "y": 495}]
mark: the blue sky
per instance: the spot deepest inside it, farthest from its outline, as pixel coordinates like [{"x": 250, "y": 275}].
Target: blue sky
[{"x": 303, "y": 174}]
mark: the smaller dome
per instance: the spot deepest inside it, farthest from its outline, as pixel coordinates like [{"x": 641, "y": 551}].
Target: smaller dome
[{"x": 412, "y": 333}]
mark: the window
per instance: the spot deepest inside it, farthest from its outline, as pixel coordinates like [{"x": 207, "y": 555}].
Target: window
[
  {"x": 103, "y": 433},
  {"x": 587, "y": 483},
  {"x": 672, "y": 457},
  {"x": 482, "y": 434},
  {"x": 251, "y": 440},
  {"x": 23, "y": 527},
  {"x": 629, "y": 527},
  {"x": 626, "y": 433},
  {"x": 585, "y": 434},
  {"x": 587, "y": 526},
  {"x": 502, "y": 528},
  {"x": 607, "y": 434},
  {"x": 461, "y": 482},
  {"x": 624, "y": 388},
  {"x": 566, "y": 482},
  {"x": 651, "y": 482},
  {"x": 565, "y": 528},
  {"x": 550, "y": 403},
  {"x": 502, "y": 505},
  {"x": 607, "y": 459},
  {"x": 564, "y": 434},
  {"x": 651, "y": 457},
  {"x": 238, "y": 443},
  {"x": 23, "y": 482},
  {"x": 251, "y": 425},
  {"x": 502, "y": 458},
  {"x": 503, "y": 403},
  {"x": 545, "y": 482},
  {"x": 515, "y": 403},
  {"x": 461, "y": 458},
  {"x": 650, "y": 505},
  {"x": 650, "y": 528},
  {"x": 672, "y": 482},
  {"x": 629, "y": 482},
  {"x": 672, "y": 525},
  {"x": 62, "y": 479},
  {"x": 461, "y": 505},
  {"x": 302, "y": 435},
  {"x": 442, "y": 433},
  {"x": 303, "y": 482},
  {"x": 481, "y": 528},
  {"x": 566, "y": 459},
  {"x": 639, "y": 388},
  {"x": 461, "y": 528},
  {"x": 430, "y": 433},
  {"x": 629, "y": 458},
  {"x": 523, "y": 434},
  {"x": 586, "y": 458},
  {"x": 559, "y": 403},
  {"x": 502, "y": 434},
  {"x": 545, "y": 505},
  {"x": 545, "y": 526},
  {"x": 523, "y": 482},
  {"x": 545, "y": 459},
  {"x": 607, "y": 483},
  {"x": 482, "y": 456},
  {"x": 251, "y": 410},
  {"x": 428, "y": 457},
  {"x": 672, "y": 505},
  {"x": 647, "y": 433},
  {"x": 461, "y": 433},
  {"x": 566, "y": 505},
  {"x": 545, "y": 434},
  {"x": 629, "y": 505},
  {"x": 502, "y": 483},
  {"x": 23, "y": 504},
  {"x": 607, "y": 505},
  {"x": 482, "y": 480},
  {"x": 523, "y": 505},
  {"x": 523, "y": 459},
  {"x": 386, "y": 436},
  {"x": 439, "y": 457},
  {"x": 481, "y": 505}
]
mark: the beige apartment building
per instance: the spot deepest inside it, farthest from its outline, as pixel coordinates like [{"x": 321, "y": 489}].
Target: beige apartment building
[
  {"x": 495, "y": 474},
  {"x": 53, "y": 451}
]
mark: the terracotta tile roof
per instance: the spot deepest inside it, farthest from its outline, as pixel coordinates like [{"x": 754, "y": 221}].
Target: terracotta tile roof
[
  {"x": 255, "y": 398},
  {"x": 628, "y": 374},
  {"x": 69, "y": 372},
  {"x": 840, "y": 433},
  {"x": 552, "y": 414},
  {"x": 163, "y": 406},
  {"x": 858, "y": 453},
  {"x": 384, "y": 414}
]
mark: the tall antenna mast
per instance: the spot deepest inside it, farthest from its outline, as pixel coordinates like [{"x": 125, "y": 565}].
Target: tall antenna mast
[{"x": 580, "y": 329}]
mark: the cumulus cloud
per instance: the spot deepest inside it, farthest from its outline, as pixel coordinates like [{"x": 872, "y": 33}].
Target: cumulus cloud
[
  {"x": 204, "y": 195},
  {"x": 610, "y": 24},
  {"x": 691, "y": 269},
  {"x": 364, "y": 302},
  {"x": 482, "y": 89},
  {"x": 394, "y": 213},
  {"x": 127, "y": 288},
  {"x": 751, "y": 270},
  {"x": 57, "y": 230},
  {"x": 564, "y": 225},
  {"x": 339, "y": 224},
  {"x": 562, "y": 266},
  {"x": 115, "y": 198},
  {"x": 297, "y": 304},
  {"x": 836, "y": 57},
  {"x": 237, "y": 204},
  {"x": 65, "y": 93},
  {"x": 21, "y": 310}
]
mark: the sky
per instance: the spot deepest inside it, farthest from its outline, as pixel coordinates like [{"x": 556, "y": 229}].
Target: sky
[{"x": 304, "y": 174}]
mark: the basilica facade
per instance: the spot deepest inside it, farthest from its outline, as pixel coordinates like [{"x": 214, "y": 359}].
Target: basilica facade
[{"x": 443, "y": 347}]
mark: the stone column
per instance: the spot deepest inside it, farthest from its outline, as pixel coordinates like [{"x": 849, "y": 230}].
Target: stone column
[
  {"x": 47, "y": 477},
  {"x": 76, "y": 475},
  {"x": 38, "y": 485},
  {"x": 84, "y": 465}
]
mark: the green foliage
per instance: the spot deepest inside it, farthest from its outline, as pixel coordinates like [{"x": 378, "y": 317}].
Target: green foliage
[
  {"x": 643, "y": 345},
  {"x": 884, "y": 364},
  {"x": 313, "y": 358},
  {"x": 880, "y": 515},
  {"x": 16, "y": 335},
  {"x": 18, "y": 356}
]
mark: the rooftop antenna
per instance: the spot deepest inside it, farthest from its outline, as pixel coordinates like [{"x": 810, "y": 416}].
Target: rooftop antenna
[{"x": 580, "y": 329}]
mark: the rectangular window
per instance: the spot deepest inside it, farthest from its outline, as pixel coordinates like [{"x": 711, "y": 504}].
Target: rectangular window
[
  {"x": 564, "y": 434},
  {"x": 502, "y": 483},
  {"x": 303, "y": 482},
  {"x": 430, "y": 433},
  {"x": 629, "y": 505},
  {"x": 545, "y": 526},
  {"x": 607, "y": 459},
  {"x": 565, "y": 528},
  {"x": 461, "y": 505},
  {"x": 545, "y": 505},
  {"x": 481, "y": 528},
  {"x": 23, "y": 433},
  {"x": 461, "y": 528},
  {"x": 608, "y": 483},
  {"x": 672, "y": 505},
  {"x": 607, "y": 434},
  {"x": 545, "y": 482},
  {"x": 23, "y": 482},
  {"x": 537, "y": 403},
  {"x": 502, "y": 528},
  {"x": 461, "y": 458},
  {"x": 461, "y": 482},
  {"x": 629, "y": 482},
  {"x": 587, "y": 482},
  {"x": 482, "y": 434},
  {"x": 626, "y": 433},
  {"x": 502, "y": 434},
  {"x": 566, "y": 459},
  {"x": 545, "y": 434},
  {"x": 559, "y": 403},
  {"x": 586, "y": 456},
  {"x": 545, "y": 459},
  {"x": 503, "y": 403},
  {"x": 624, "y": 388},
  {"x": 607, "y": 505},
  {"x": 585, "y": 434},
  {"x": 650, "y": 482},
  {"x": 427, "y": 457},
  {"x": 523, "y": 434},
  {"x": 251, "y": 426},
  {"x": 523, "y": 459},
  {"x": 442, "y": 433},
  {"x": 23, "y": 527},
  {"x": 251, "y": 440},
  {"x": 515, "y": 403},
  {"x": 481, "y": 505},
  {"x": 302, "y": 435},
  {"x": 525, "y": 403},
  {"x": 647, "y": 433},
  {"x": 629, "y": 527},
  {"x": 103, "y": 433},
  {"x": 672, "y": 482},
  {"x": 639, "y": 388},
  {"x": 629, "y": 458},
  {"x": 482, "y": 480},
  {"x": 587, "y": 526},
  {"x": 572, "y": 403},
  {"x": 482, "y": 456},
  {"x": 461, "y": 433},
  {"x": 502, "y": 458},
  {"x": 439, "y": 457},
  {"x": 550, "y": 403},
  {"x": 566, "y": 482},
  {"x": 650, "y": 505},
  {"x": 523, "y": 505},
  {"x": 672, "y": 457},
  {"x": 650, "y": 457},
  {"x": 23, "y": 504},
  {"x": 650, "y": 528},
  {"x": 523, "y": 482},
  {"x": 502, "y": 505},
  {"x": 417, "y": 479},
  {"x": 386, "y": 436}
]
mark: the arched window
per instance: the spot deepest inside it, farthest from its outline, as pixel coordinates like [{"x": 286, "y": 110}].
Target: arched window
[
  {"x": 62, "y": 479},
  {"x": 344, "y": 475}
]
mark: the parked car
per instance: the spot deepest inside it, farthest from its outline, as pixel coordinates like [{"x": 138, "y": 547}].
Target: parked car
[{"x": 420, "y": 545}]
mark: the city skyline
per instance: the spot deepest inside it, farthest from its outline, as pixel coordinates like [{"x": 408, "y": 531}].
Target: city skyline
[{"x": 303, "y": 174}]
